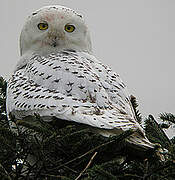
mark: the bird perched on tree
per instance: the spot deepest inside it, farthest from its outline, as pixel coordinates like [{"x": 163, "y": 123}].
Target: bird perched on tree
[{"x": 58, "y": 76}]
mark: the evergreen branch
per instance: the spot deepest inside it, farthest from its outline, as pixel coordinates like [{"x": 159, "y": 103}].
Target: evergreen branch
[
  {"x": 3, "y": 173},
  {"x": 155, "y": 133},
  {"x": 105, "y": 173},
  {"x": 168, "y": 117},
  {"x": 56, "y": 176},
  {"x": 116, "y": 139},
  {"x": 89, "y": 163},
  {"x": 160, "y": 168}
]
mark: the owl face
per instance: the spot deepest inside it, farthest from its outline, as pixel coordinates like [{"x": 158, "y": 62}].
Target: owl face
[{"x": 52, "y": 29}]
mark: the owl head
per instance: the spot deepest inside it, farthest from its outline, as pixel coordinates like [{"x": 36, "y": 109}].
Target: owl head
[{"x": 52, "y": 29}]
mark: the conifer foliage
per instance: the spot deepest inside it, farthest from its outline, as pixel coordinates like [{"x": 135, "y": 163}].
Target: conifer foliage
[{"x": 54, "y": 151}]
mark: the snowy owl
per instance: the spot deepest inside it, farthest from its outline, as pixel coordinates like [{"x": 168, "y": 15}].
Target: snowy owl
[{"x": 58, "y": 76}]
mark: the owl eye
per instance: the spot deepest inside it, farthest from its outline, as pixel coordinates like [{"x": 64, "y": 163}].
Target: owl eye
[
  {"x": 69, "y": 28},
  {"x": 43, "y": 26}
]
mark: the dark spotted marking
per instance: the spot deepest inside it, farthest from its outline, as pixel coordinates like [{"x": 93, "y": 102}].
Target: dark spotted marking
[
  {"x": 26, "y": 93},
  {"x": 19, "y": 85},
  {"x": 70, "y": 62},
  {"x": 47, "y": 97},
  {"x": 41, "y": 97},
  {"x": 27, "y": 96},
  {"x": 80, "y": 76},
  {"x": 25, "y": 105},
  {"x": 63, "y": 60},
  {"x": 27, "y": 88},
  {"x": 64, "y": 105},
  {"x": 32, "y": 89},
  {"x": 41, "y": 74},
  {"x": 68, "y": 91},
  {"x": 56, "y": 67},
  {"x": 45, "y": 63},
  {"x": 75, "y": 99},
  {"x": 22, "y": 105},
  {"x": 92, "y": 80},
  {"x": 75, "y": 106},
  {"x": 70, "y": 50},
  {"x": 16, "y": 103},
  {"x": 37, "y": 96},
  {"x": 42, "y": 106},
  {"x": 74, "y": 72},
  {"x": 70, "y": 84},
  {"x": 53, "y": 7},
  {"x": 50, "y": 64},
  {"x": 81, "y": 87},
  {"x": 35, "y": 72},
  {"x": 65, "y": 53},
  {"x": 86, "y": 106},
  {"x": 15, "y": 91},
  {"x": 17, "y": 94},
  {"x": 33, "y": 69},
  {"x": 48, "y": 76},
  {"x": 116, "y": 86},
  {"x": 84, "y": 100},
  {"x": 57, "y": 97},
  {"x": 50, "y": 91},
  {"x": 37, "y": 90},
  {"x": 45, "y": 90},
  {"x": 122, "y": 85},
  {"x": 36, "y": 85},
  {"x": 56, "y": 80}
]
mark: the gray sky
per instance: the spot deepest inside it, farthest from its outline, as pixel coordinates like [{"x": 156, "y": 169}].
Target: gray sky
[{"x": 135, "y": 37}]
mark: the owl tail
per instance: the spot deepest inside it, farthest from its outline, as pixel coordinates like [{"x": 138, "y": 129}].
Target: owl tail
[
  {"x": 142, "y": 147},
  {"x": 137, "y": 145},
  {"x": 140, "y": 141}
]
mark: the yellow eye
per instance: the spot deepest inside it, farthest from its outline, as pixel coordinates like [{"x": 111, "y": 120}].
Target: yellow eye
[
  {"x": 43, "y": 26},
  {"x": 69, "y": 28}
]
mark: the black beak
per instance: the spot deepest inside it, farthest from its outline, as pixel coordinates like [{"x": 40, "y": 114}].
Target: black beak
[{"x": 54, "y": 42}]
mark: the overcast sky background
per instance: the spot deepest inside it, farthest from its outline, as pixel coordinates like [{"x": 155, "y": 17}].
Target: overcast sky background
[{"x": 135, "y": 37}]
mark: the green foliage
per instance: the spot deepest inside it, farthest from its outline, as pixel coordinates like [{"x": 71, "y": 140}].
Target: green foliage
[
  {"x": 155, "y": 132},
  {"x": 7, "y": 138},
  {"x": 167, "y": 117},
  {"x": 3, "y": 116},
  {"x": 59, "y": 150}
]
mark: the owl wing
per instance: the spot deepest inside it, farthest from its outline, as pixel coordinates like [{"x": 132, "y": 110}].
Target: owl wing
[{"x": 71, "y": 86}]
